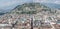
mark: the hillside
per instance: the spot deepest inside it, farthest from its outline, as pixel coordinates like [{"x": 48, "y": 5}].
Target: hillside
[
  {"x": 22, "y": 15},
  {"x": 37, "y": 10},
  {"x": 52, "y": 5},
  {"x": 30, "y": 8}
]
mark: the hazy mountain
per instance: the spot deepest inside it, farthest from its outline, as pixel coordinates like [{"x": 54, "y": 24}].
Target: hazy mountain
[
  {"x": 52, "y": 5},
  {"x": 29, "y": 8}
]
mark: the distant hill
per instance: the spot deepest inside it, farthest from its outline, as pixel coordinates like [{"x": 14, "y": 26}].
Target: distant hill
[
  {"x": 52, "y": 5},
  {"x": 29, "y": 8}
]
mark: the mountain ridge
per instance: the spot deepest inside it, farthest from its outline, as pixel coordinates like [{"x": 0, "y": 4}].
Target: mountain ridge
[{"x": 30, "y": 6}]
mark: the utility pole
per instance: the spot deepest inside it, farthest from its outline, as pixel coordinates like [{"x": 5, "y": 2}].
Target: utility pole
[{"x": 31, "y": 23}]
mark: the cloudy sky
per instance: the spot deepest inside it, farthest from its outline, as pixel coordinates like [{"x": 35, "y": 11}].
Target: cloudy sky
[
  {"x": 48, "y": 1},
  {"x": 6, "y": 3}
]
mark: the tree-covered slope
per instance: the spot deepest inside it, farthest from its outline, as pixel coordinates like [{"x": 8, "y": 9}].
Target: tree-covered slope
[{"x": 29, "y": 8}]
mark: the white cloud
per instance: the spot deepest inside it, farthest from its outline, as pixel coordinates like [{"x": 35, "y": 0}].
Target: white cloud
[
  {"x": 44, "y": 1},
  {"x": 57, "y": 2},
  {"x": 50, "y": 1},
  {"x": 39, "y": 0}
]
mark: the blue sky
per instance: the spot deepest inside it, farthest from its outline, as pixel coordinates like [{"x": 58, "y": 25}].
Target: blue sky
[
  {"x": 6, "y": 5},
  {"x": 9, "y": 3}
]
